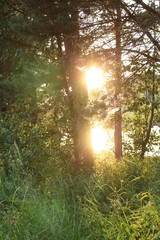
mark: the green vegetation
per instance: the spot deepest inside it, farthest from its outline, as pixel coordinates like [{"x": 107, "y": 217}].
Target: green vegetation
[
  {"x": 119, "y": 201},
  {"x": 52, "y": 185}
]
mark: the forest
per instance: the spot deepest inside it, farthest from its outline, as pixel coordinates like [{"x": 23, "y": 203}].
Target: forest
[{"x": 79, "y": 119}]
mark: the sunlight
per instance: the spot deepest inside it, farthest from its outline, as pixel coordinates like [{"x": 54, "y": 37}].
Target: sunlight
[
  {"x": 94, "y": 78},
  {"x": 102, "y": 140},
  {"x": 99, "y": 139}
]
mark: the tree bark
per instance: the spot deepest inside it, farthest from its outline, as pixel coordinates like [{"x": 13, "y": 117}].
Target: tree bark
[
  {"x": 118, "y": 117},
  {"x": 81, "y": 130}
]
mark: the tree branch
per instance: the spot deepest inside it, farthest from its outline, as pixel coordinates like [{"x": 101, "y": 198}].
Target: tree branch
[
  {"x": 133, "y": 17},
  {"x": 148, "y": 8}
]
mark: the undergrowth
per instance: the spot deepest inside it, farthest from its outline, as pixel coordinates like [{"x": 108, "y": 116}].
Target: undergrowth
[{"x": 118, "y": 201}]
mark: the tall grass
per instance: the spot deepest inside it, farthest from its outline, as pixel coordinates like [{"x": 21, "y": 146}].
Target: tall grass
[{"x": 118, "y": 201}]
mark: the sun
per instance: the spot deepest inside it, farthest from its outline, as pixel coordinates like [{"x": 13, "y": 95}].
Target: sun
[
  {"x": 94, "y": 78},
  {"x": 99, "y": 139},
  {"x": 102, "y": 140}
]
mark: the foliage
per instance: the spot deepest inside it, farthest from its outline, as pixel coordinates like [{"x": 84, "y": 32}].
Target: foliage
[
  {"x": 138, "y": 111},
  {"x": 44, "y": 125},
  {"x": 120, "y": 201}
]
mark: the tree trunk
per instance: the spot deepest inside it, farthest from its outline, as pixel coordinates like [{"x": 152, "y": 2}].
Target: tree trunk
[
  {"x": 118, "y": 117},
  {"x": 81, "y": 129}
]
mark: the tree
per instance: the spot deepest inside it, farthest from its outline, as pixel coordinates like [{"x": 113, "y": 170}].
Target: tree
[
  {"x": 78, "y": 96},
  {"x": 141, "y": 113},
  {"x": 70, "y": 33},
  {"x": 47, "y": 29},
  {"x": 129, "y": 43},
  {"x": 118, "y": 117}
]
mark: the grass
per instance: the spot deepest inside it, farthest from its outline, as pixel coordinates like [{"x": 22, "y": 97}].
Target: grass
[{"x": 119, "y": 201}]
